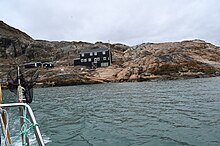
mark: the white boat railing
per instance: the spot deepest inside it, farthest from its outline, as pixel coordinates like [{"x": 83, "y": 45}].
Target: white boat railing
[{"x": 32, "y": 118}]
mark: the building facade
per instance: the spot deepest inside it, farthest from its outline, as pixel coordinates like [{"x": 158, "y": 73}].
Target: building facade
[
  {"x": 94, "y": 58},
  {"x": 38, "y": 65}
]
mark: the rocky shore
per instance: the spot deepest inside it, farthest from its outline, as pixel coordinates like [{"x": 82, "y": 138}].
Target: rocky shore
[{"x": 144, "y": 62}]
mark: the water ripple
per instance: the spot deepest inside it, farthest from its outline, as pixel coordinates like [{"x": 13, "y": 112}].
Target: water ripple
[{"x": 172, "y": 113}]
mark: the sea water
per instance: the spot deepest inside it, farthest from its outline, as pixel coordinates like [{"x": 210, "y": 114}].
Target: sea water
[{"x": 160, "y": 113}]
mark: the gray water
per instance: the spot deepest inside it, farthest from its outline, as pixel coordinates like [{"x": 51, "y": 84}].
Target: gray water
[{"x": 163, "y": 113}]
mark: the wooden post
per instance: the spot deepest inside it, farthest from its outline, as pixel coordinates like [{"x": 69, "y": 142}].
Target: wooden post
[
  {"x": 1, "y": 97},
  {"x": 4, "y": 119}
]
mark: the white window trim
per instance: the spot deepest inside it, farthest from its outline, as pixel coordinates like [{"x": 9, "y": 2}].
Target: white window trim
[
  {"x": 103, "y": 64},
  {"x": 104, "y": 58},
  {"x": 82, "y": 55},
  {"x": 95, "y": 53},
  {"x": 90, "y": 53},
  {"x": 103, "y": 52},
  {"x": 95, "y": 60}
]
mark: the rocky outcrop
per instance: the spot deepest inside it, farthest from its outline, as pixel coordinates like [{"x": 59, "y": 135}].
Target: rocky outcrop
[
  {"x": 147, "y": 61},
  {"x": 10, "y": 32}
]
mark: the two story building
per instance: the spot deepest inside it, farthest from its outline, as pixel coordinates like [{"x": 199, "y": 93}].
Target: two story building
[{"x": 93, "y": 58}]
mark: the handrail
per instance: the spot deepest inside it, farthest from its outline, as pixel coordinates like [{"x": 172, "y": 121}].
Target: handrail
[{"x": 32, "y": 117}]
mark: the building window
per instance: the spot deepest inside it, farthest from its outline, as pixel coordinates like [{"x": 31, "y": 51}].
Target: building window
[
  {"x": 82, "y": 54},
  {"x": 82, "y": 60},
  {"x": 98, "y": 59},
  {"x": 85, "y": 60},
  {"x": 104, "y": 64},
  {"x": 103, "y": 52},
  {"x": 91, "y": 53},
  {"x": 89, "y": 59},
  {"x": 104, "y": 58},
  {"x": 95, "y": 53},
  {"x": 95, "y": 60}
]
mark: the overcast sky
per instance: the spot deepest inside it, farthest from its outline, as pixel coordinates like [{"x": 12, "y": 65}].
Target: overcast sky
[{"x": 125, "y": 21}]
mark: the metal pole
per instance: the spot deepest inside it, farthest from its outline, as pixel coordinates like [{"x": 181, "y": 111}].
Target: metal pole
[
  {"x": 21, "y": 109},
  {"x": 19, "y": 81}
]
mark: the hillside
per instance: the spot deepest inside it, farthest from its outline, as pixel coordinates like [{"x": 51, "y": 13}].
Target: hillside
[
  {"x": 172, "y": 60},
  {"x": 8, "y": 31}
]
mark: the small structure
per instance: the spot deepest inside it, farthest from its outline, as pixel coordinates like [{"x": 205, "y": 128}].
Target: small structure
[
  {"x": 33, "y": 65},
  {"x": 93, "y": 58},
  {"x": 38, "y": 65},
  {"x": 48, "y": 65}
]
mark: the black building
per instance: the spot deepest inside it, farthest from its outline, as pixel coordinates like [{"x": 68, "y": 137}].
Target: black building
[
  {"x": 38, "y": 65},
  {"x": 33, "y": 65},
  {"x": 93, "y": 58}
]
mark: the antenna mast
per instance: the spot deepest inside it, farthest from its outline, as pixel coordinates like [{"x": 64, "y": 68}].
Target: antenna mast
[{"x": 110, "y": 57}]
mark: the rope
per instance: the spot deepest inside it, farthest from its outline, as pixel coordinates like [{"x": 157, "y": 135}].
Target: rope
[
  {"x": 5, "y": 128},
  {"x": 25, "y": 128}
]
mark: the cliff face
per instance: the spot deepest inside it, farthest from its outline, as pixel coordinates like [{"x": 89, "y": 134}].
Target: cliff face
[
  {"x": 146, "y": 61},
  {"x": 187, "y": 59}
]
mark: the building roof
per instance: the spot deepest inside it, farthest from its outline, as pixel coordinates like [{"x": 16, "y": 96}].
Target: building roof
[{"x": 94, "y": 50}]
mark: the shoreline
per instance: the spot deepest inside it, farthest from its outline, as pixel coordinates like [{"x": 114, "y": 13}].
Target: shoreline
[{"x": 160, "y": 78}]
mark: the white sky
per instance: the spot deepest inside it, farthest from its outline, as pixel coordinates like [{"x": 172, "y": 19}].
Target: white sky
[{"x": 125, "y": 21}]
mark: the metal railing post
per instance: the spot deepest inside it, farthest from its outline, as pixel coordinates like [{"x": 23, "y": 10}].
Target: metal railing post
[{"x": 32, "y": 117}]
